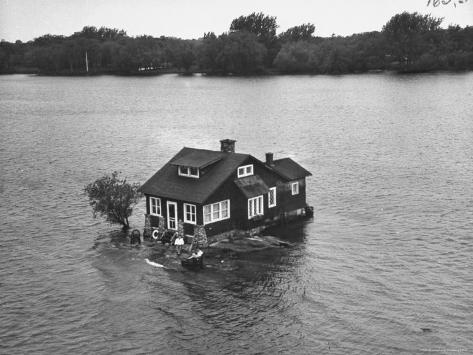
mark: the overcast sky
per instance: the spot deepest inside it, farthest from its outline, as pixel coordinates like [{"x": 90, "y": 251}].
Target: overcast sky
[{"x": 27, "y": 19}]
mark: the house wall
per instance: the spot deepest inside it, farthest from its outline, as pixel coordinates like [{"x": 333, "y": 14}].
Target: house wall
[
  {"x": 288, "y": 202},
  {"x": 227, "y": 191},
  {"x": 285, "y": 202},
  {"x": 238, "y": 204},
  {"x": 188, "y": 227}
]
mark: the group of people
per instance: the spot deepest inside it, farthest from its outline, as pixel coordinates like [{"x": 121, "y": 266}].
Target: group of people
[{"x": 179, "y": 243}]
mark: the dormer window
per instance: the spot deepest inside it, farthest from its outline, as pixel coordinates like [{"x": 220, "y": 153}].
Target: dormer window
[
  {"x": 188, "y": 171},
  {"x": 245, "y": 170}
]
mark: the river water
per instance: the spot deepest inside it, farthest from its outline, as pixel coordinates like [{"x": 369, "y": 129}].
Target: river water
[{"x": 384, "y": 267}]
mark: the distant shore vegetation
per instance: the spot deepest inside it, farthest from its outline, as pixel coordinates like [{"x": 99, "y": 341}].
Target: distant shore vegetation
[{"x": 408, "y": 42}]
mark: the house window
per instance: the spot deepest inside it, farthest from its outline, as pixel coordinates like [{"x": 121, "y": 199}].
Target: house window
[
  {"x": 155, "y": 206},
  {"x": 295, "y": 188},
  {"x": 190, "y": 213},
  {"x": 272, "y": 197},
  {"x": 255, "y": 206},
  {"x": 217, "y": 211},
  {"x": 188, "y": 171},
  {"x": 245, "y": 170},
  {"x": 225, "y": 212}
]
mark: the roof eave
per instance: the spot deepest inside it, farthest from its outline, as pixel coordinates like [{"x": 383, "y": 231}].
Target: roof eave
[
  {"x": 171, "y": 197},
  {"x": 201, "y": 166}
]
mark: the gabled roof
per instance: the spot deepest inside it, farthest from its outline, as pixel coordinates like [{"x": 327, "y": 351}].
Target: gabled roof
[
  {"x": 167, "y": 183},
  {"x": 289, "y": 169},
  {"x": 252, "y": 186}
]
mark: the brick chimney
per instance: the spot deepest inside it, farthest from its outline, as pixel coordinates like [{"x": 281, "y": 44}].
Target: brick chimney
[
  {"x": 227, "y": 145},
  {"x": 269, "y": 159}
]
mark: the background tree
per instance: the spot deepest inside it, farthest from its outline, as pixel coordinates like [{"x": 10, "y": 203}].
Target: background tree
[
  {"x": 264, "y": 28},
  {"x": 404, "y": 32},
  {"x": 113, "y": 198},
  {"x": 241, "y": 53},
  {"x": 185, "y": 56},
  {"x": 303, "y": 32},
  {"x": 294, "y": 57},
  {"x": 408, "y": 42},
  {"x": 207, "y": 51}
]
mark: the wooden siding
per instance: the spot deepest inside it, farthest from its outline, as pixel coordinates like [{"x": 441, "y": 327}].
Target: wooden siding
[
  {"x": 285, "y": 202},
  {"x": 180, "y": 213},
  {"x": 227, "y": 191}
]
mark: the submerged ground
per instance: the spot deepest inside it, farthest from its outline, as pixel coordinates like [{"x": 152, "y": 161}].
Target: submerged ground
[{"x": 384, "y": 266}]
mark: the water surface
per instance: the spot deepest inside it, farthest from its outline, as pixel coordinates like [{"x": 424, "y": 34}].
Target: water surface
[{"x": 384, "y": 267}]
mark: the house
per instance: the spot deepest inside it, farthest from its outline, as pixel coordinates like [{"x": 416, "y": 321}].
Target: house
[{"x": 205, "y": 193}]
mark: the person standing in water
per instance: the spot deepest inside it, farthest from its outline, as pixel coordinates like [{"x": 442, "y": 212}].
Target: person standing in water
[{"x": 179, "y": 242}]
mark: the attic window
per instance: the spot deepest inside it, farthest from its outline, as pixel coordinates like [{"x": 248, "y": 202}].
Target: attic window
[
  {"x": 245, "y": 170},
  {"x": 188, "y": 171}
]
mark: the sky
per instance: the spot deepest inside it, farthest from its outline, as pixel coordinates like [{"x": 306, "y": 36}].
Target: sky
[{"x": 27, "y": 19}]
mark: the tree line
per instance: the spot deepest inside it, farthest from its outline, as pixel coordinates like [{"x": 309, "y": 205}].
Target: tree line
[{"x": 408, "y": 42}]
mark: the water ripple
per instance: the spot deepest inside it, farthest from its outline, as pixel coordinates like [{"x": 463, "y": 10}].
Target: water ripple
[{"x": 384, "y": 267}]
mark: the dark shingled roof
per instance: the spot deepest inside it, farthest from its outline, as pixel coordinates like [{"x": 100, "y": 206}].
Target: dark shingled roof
[
  {"x": 252, "y": 186},
  {"x": 167, "y": 183},
  {"x": 289, "y": 169},
  {"x": 198, "y": 158}
]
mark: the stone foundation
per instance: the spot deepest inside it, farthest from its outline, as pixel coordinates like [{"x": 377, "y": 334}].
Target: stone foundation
[
  {"x": 201, "y": 240},
  {"x": 287, "y": 217},
  {"x": 200, "y": 237},
  {"x": 235, "y": 234},
  {"x": 180, "y": 228},
  {"x": 148, "y": 230},
  {"x": 161, "y": 228}
]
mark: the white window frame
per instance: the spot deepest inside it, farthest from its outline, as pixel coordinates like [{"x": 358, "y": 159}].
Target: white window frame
[
  {"x": 186, "y": 171},
  {"x": 174, "y": 220},
  {"x": 227, "y": 202},
  {"x": 255, "y": 206},
  {"x": 216, "y": 208},
  {"x": 192, "y": 211},
  {"x": 295, "y": 188},
  {"x": 272, "y": 190},
  {"x": 245, "y": 170},
  {"x": 159, "y": 211}
]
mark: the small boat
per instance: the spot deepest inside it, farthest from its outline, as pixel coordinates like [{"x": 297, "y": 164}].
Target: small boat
[{"x": 194, "y": 262}]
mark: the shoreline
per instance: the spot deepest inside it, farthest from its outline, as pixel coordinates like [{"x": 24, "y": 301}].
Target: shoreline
[{"x": 210, "y": 74}]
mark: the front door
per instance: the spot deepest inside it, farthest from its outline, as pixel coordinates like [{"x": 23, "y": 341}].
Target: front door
[{"x": 172, "y": 215}]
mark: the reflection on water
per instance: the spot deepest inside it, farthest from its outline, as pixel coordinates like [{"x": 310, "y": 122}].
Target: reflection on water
[{"x": 384, "y": 267}]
